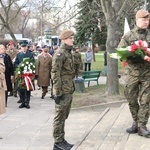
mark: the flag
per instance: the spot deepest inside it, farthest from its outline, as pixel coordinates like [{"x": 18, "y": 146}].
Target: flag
[{"x": 126, "y": 26}]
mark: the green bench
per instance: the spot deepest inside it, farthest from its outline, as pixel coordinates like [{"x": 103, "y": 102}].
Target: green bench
[{"x": 91, "y": 76}]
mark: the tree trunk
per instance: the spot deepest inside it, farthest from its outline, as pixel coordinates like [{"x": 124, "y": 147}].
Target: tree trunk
[
  {"x": 112, "y": 64},
  {"x": 11, "y": 34}
]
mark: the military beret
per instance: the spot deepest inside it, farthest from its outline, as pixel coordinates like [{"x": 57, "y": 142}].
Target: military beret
[
  {"x": 142, "y": 14},
  {"x": 66, "y": 34},
  {"x": 23, "y": 43}
]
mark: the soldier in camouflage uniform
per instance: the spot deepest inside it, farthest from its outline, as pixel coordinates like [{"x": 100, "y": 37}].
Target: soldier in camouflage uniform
[
  {"x": 77, "y": 61},
  {"x": 63, "y": 85},
  {"x": 137, "y": 88}
]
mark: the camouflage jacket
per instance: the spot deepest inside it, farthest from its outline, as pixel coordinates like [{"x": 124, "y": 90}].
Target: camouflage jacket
[
  {"x": 138, "y": 68},
  {"x": 63, "y": 71},
  {"x": 77, "y": 58}
]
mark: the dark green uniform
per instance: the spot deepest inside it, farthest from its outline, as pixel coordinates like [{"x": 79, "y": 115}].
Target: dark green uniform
[
  {"x": 24, "y": 94},
  {"x": 63, "y": 85},
  {"x": 137, "y": 88},
  {"x": 77, "y": 62}
]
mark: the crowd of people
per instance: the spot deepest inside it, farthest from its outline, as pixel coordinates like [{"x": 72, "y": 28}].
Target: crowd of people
[
  {"x": 60, "y": 66},
  {"x": 65, "y": 60}
]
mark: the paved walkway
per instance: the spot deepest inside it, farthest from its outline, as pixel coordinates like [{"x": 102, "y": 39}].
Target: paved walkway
[{"x": 31, "y": 129}]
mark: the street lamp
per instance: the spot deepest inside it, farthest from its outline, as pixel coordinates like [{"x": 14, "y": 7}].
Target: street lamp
[{"x": 42, "y": 24}]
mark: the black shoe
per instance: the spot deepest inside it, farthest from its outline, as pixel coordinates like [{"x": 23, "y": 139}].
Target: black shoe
[
  {"x": 52, "y": 96},
  {"x": 133, "y": 129},
  {"x": 119, "y": 76},
  {"x": 61, "y": 146},
  {"x": 15, "y": 95},
  {"x": 142, "y": 131},
  {"x": 70, "y": 145},
  {"x": 42, "y": 97},
  {"x": 28, "y": 106},
  {"x": 19, "y": 101},
  {"x": 22, "y": 105},
  {"x": 10, "y": 94},
  {"x": 56, "y": 148}
]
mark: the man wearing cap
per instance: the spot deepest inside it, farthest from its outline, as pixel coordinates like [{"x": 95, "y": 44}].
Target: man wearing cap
[
  {"x": 24, "y": 94},
  {"x": 137, "y": 88},
  {"x": 63, "y": 85}
]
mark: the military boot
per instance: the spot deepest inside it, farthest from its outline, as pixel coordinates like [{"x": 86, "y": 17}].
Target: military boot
[
  {"x": 27, "y": 105},
  {"x": 19, "y": 101},
  {"x": 22, "y": 105},
  {"x": 133, "y": 128},
  {"x": 69, "y": 145},
  {"x": 61, "y": 146},
  {"x": 142, "y": 131}
]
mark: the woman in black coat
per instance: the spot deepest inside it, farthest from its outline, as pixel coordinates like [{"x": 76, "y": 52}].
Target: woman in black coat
[{"x": 9, "y": 69}]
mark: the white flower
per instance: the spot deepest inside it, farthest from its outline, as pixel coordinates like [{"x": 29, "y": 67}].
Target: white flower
[
  {"x": 25, "y": 68},
  {"x": 114, "y": 55},
  {"x": 19, "y": 72},
  {"x": 33, "y": 71},
  {"x": 25, "y": 71},
  {"x": 31, "y": 63},
  {"x": 27, "y": 62},
  {"x": 22, "y": 65}
]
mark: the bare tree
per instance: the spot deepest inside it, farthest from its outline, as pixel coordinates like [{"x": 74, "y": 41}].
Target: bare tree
[
  {"x": 114, "y": 11},
  {"x": 54, "y": 14},
  {"x": 6, "y": 15}
]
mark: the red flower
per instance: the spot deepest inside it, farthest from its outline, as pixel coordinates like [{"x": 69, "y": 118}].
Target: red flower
[{"x": 134, "y": 47}]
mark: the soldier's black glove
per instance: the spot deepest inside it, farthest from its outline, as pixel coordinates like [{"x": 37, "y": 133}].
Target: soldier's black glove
[{"x": 58, "y": 98}]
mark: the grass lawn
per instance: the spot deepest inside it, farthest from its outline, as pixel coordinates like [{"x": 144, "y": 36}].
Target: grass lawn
[
  {"x": 99, "y": 63},
  {"x": 96, "y": 94}
]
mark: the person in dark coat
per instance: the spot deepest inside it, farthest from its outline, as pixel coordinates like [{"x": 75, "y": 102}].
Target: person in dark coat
[
  {"x": 105, "y": 63},
  {"x": 12, "y": 52},
  {"x": 24, "y": 93},
  {"x": 9, "y": 71}
]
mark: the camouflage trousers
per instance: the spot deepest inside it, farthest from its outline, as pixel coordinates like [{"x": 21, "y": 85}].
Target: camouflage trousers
[
  {"x": 62, "y": 111},
  {"x": 76, "y": 68},
  {"x": 137, "y": 93}
]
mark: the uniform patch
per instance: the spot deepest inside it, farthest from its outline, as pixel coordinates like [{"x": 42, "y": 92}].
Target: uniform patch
[{"x": 58, "y": 54}]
